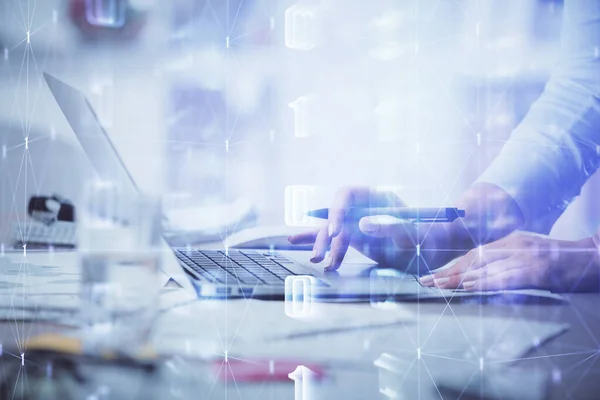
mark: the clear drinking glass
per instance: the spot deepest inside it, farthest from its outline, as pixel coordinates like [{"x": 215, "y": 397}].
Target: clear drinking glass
[{"x": 119, "y": 257}]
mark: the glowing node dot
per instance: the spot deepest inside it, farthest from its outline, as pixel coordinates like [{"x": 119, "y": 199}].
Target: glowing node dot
[{"x": 556, "y": 376}]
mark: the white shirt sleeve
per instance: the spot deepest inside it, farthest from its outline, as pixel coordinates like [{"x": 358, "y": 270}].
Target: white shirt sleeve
[{"x": 556, "y": 148}]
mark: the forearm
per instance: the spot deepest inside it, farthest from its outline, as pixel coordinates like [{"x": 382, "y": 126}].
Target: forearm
[
  {"x": 554, "y": 150},
  {"x": 576, "y": 266}
]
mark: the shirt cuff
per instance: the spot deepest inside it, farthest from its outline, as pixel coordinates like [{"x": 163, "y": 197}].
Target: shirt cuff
[{"x": 526, "y": 174}]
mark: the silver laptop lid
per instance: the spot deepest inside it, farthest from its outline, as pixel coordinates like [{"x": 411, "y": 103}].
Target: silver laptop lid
[
  {"x": 103, "y": 155},
  {"x": 90, "y": 133}
]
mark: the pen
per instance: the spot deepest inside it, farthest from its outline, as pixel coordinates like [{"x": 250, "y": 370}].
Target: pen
[{"x": 419, "y": 214}]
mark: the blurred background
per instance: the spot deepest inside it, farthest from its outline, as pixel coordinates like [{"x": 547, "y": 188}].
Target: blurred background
[{"x": 268, "y": 106}]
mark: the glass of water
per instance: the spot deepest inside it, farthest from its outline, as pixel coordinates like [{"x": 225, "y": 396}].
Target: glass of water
[{"x": 119, "y": 257}]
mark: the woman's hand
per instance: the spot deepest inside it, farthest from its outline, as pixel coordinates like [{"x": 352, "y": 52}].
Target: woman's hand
[
  {"x": 490, "y": 213},
  {"x": 389, "y": 241},
  {"x": 524, "y": 260},
  {"x": 382, "y": 239}
]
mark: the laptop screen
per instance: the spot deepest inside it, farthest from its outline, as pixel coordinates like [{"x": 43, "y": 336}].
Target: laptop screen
[
  {"x": 90, "y": 134},
  {"x": 103, "y": 155}
]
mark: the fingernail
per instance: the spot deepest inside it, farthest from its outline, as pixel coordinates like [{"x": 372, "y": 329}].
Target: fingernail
[
  {"x": 368, "y": 225},
  {"x": 330, "y": 229},
  {"x": 289, "y": 238},
  {"x": 313, "y": 259},
  {"x": 468, "y": 285},
  {"x": 426, "y": 279},
  {"x": 442, "y": 281},
  {"x": 328, "y": 264}
]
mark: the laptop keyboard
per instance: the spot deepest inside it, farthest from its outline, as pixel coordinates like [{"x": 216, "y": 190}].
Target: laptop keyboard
[{"x": 250, "y": 268}]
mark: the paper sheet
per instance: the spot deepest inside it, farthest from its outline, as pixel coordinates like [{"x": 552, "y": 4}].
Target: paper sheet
[
  {"x": 465, "y": 355},
  {"x": 523, "y": 294},
  {"x": 46, "y": 286},
  {"x": 28, "y": 275},
  {"x": 496, "y": 383},
  {"x": 219, "y": 324},
  {"x": 400, "y": 286}
]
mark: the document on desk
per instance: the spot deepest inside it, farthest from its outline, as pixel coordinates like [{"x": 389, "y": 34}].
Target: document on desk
[
  {"x": 22, "y": 276},
  {"x": 254, "y": 321},
  {"x": 390, "y": 285},
  {"x": 432, "y": 293},
  {"x": 496, "y": 383},
  {"x": 467, "y": 356},
  {"x": 507, "y": 295},
  {"x": 46, "y": 286}
]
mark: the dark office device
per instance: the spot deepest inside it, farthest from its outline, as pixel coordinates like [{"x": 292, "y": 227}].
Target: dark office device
[
  {"x": 49, "y": 209},
  {"x": 51, "y": 224}
]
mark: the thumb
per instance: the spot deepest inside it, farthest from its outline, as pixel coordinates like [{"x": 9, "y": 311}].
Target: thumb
[{"x": 383, "y": 226}]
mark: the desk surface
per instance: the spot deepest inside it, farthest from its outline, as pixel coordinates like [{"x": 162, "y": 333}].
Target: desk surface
[
  {"x": 574, "y": 353},
  {"x": 570, "y": 358}
]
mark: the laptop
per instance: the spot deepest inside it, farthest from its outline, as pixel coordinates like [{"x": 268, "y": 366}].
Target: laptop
[{"x": 220, "y": 272}]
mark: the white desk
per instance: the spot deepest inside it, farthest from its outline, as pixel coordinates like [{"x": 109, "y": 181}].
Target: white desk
[{"x": 348, "y": 357}]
